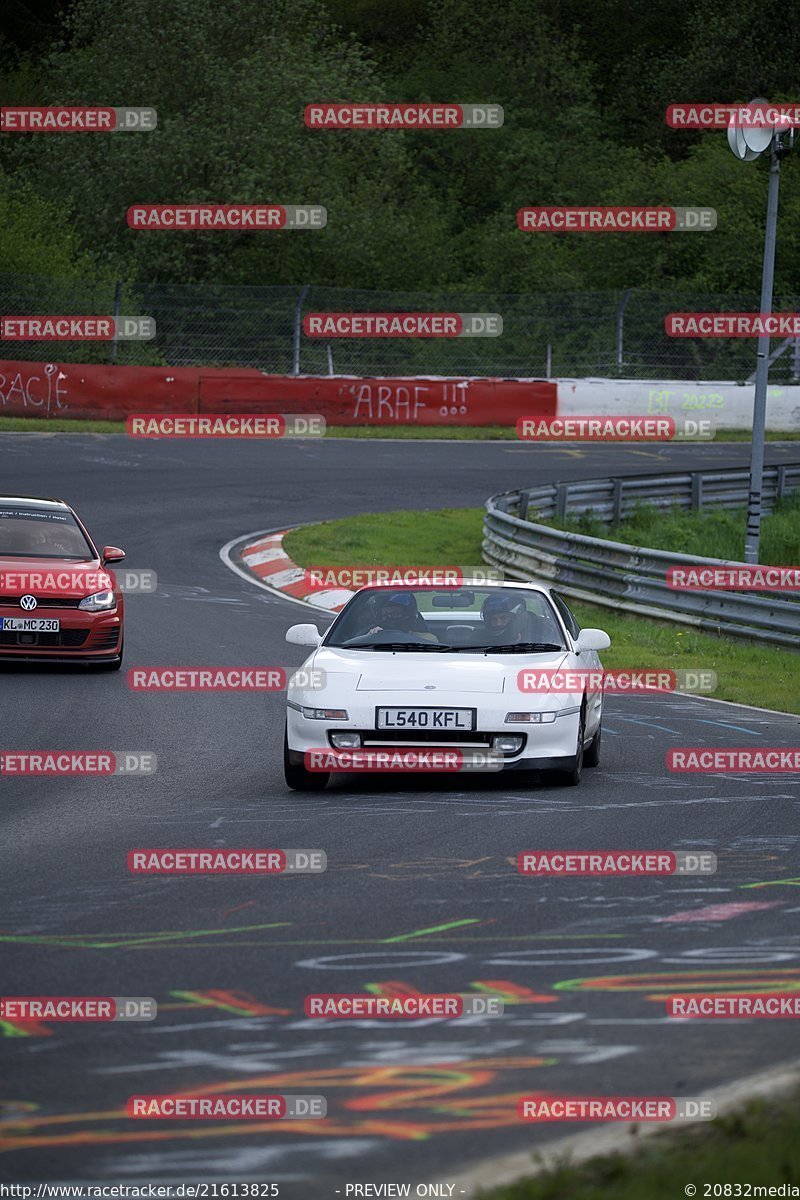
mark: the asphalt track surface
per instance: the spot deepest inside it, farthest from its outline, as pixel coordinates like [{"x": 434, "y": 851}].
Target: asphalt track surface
[{"x": 421, "y": 890}]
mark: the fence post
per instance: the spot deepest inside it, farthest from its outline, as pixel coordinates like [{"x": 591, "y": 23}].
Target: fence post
[
  {"x": 561, "y": 499},
  {"x": 626, "y": 295},
  {"x": 617, "y": 501},
  {"x": 697, "y": 491},
  {"x": 297, "y": 318},
  {"x": 548, "y": 371},
  {"x": 117, "y": 303}
]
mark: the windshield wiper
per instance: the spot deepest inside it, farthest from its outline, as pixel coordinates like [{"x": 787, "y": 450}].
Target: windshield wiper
[
  {"x": 525, "y": 647},
  {"x": 511, "y": 648},
  {"x": 401, "y": 646}
]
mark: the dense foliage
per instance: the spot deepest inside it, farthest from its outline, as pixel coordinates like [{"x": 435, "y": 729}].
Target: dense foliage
[{"x": 584, "y": 84}]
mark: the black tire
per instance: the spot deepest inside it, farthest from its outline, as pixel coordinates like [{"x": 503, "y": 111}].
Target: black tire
[
  {"x": 591, "y": 756},
  {"x": 297, "y": 777},
  {"x": 571, "y": 777}
]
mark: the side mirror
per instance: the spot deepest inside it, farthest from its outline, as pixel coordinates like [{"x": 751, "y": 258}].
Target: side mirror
[
  {"x": 592, "y": 639},
  {"x": 303, "y": 635},
  {"x": 112, "y": 554}
]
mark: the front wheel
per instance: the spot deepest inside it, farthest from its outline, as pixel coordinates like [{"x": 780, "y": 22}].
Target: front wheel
[
  {"x": 571, "y": 777},
  {"x": 296, "y": 775}
]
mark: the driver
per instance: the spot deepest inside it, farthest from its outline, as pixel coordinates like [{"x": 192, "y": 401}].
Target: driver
[
  {"x": 35, "y": 539},
  {"x": 501, "y": 620},
  {"x": 398, "y": 610}
]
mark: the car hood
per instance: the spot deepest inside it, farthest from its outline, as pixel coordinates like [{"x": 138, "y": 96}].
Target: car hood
[
  {"x": 405, "y": 671},
  {"x": 66, "y": 579}
]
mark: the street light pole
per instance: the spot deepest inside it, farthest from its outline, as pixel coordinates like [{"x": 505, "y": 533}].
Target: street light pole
[{"x": 753, "y": 531}]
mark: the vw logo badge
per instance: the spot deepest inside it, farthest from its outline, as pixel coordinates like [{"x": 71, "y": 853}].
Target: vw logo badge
[{"x": 28, "y": 603}]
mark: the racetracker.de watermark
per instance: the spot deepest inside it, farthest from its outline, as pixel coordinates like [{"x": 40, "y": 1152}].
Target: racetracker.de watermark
[
  {"x": 544, "y": 680},
  {"x": 361, "y": 1006},
  {"x": 409, "y": 761},
  {"x": 223, "y": 679},
  {"x": 583, "y": 219},
  {"x": 734, "y": 760},
  {"x": 616, "y": 862},
  {"x": 226, "y": 218},
  {"x": 140, "y": 581},
  {"x": 390, "y": 114},
  {"x": 227, "y": 1107},
  {"x": 78, "y": 1008},
  {"x": 77, "y": 120},
  {"x": 731, "y": 325},
  {"x": 700, "y": 114},
  {"x": 402, "y": 325},
  {"x": 754, "y": 578},
  {"x": 77, "y": 329},
  {"x": 764, "y": 1005},
  {"x": 318, "y": 579},
  {"x": 616, "y": 1108},
  {"x": 629, "y": 428},
  {"x": 78, "y": 762},
  {"x": 230, "y": 861},
  {"x": 229, "y": 425}
]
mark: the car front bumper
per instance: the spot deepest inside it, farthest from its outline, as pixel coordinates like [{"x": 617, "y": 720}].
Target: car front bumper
[
  {"x": 546, "y": 746},
  {"x": 83, "y": 637}
]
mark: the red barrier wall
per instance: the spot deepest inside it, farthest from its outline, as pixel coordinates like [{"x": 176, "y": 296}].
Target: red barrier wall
[{"x": 77, "y": 391}]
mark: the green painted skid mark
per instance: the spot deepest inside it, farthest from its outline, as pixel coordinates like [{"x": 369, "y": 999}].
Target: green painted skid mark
[
  {"x": 795, "y": 882},
  {"x": 124, "y": 940},
  {"x": 204, "y": 1002},
  {"x": 9, "y": 1030},
  {"x": 63, "y": 942},
  {"x": 404, "y": 937}
]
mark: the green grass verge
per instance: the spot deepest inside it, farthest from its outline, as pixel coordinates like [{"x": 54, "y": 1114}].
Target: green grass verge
[
  {"x": 747, "y": 673},
  {"x": 711, "y": 534},
  {"x": 450, "y": 433},
  {"x": 58, "y": 425},
  {"x": 757, "y": 1146}
]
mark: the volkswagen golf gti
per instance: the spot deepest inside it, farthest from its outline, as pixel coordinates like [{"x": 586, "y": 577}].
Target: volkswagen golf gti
[{"x": 58, "y": 601}]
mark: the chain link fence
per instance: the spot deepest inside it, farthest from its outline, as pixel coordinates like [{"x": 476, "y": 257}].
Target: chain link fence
[{"x": 545, "y": 334}]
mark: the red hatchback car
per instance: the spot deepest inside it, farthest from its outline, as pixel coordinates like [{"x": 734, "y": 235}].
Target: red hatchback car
[{"x": 58, "y": 603}]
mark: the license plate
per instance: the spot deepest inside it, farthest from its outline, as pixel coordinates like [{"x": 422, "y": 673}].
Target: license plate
[
  {"x": 30, "y": 624},
  {"x": 426, "y": 718}
]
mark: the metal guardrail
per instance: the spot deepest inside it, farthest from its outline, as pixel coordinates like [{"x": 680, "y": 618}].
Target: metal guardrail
[{"x": 634, "y": 578}]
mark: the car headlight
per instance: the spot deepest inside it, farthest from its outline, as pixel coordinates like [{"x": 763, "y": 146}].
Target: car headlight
[
  {"x": 99, "y": 602},
  {"x": 530, "y": 718},
  {"x": 325, "y": 714}
]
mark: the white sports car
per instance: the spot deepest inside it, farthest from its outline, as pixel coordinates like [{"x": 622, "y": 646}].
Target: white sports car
[{"x": 491, "y": 676}]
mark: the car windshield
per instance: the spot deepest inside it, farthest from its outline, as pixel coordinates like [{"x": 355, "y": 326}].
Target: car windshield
[
  {"x": 36, "y": 533},
  {"x": 486, "y": 619}
]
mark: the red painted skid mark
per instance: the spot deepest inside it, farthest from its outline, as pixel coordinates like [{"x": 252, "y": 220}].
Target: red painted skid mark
[
  {"x": 227, "y": 1001},
  {"x": 513, "y": 993},
  {"x": 9, "y": 1028},
  {"x": 510, "y": 993},
  {"x": 717, "y": 912},
  {"x": 238, "y": 907}
]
